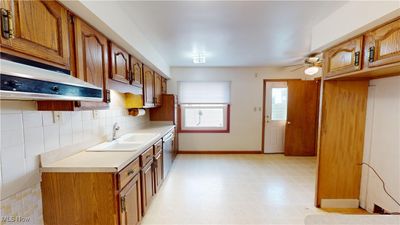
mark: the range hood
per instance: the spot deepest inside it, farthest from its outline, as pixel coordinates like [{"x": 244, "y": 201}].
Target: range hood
[{"x": 24, "y": 82}]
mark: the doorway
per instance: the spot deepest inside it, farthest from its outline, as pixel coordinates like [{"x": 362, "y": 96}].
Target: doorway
[{"x": 290, "y": 113}]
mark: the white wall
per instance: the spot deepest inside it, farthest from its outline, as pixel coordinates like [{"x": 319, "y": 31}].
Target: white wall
[
  {"x": 246, "y": 106},
  {"x": 110, "y": 19},
  {"x": 353, "y": 18},
  {"x": 382, "y": 144},
  {"x": 26, "y": 133}
]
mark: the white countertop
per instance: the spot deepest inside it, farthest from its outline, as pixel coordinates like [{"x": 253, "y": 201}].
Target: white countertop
[{"x": 86, "y": 161}]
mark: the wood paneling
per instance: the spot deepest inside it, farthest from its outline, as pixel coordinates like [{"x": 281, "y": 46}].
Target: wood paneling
[
  {"x": 342, "y": 138},
  {"x": 148, "y": 87},
  {"x": 131, "y": 203},
  {"x": 300, "y": 132},
  {"x": 344, "y": 58},
  {"x": 166, "y": 112},
  {"x": 384, "y": 43},
  {"x": 79, "y": 198},
  {"x": 119, "y": 64},
  {"x": 40, "y": 32}
]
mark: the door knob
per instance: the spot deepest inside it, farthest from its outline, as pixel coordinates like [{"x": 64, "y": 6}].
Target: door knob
[{"x": 288, "y": 122}]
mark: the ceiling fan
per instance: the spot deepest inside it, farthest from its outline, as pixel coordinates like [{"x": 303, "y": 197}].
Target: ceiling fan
[{"x": 311, "y": 65}]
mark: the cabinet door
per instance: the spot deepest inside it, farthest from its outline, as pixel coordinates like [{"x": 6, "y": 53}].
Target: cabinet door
[
  {"x": 130, "y": 203},
  {"x": 157, "y": 89},
  {"x": 136, "y": 72},
  {"x": 382, "y": 46},
  {"x": 164, "y": 86},
  {"x": 148, "y": 91},
  {"x": 147, "y": 176},
  {"x": 119, "y": 64},
  {"x": 91, "y": 55},
  {"x": 158, "y": 171},
  {"x": 40, "y": 31},
  {"x": 344, "y": 58}
]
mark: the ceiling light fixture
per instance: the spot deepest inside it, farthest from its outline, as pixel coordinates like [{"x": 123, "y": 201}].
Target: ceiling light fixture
[
  {"x": 199, "y": 58},
  {"x": 311, "y": 70}
]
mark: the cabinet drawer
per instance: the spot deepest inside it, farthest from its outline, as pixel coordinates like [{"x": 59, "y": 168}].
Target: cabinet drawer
[
  {"x": 126, "y": 174},
  {"x": 146, "y": 156},
  {"x": 158, "y": 147}
]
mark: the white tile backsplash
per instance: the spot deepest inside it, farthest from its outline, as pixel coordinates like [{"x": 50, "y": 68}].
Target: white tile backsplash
[{"x": 27, "y": 133}]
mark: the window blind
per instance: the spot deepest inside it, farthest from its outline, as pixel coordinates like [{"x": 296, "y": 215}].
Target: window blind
[{"x": 204, "y": 92}]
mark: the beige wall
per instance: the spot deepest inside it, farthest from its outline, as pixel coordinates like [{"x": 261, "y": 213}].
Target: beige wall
[{"x": 246, "y": 105}]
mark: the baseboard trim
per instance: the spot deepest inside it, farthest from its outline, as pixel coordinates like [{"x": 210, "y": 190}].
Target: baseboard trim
[
  {"x": 340, "y": 203},
  {"x": 218, "y": 152}
]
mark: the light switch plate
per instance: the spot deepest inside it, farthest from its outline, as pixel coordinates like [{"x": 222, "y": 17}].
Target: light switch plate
[
  {"x": 57, "y": 116},
  {"x": 95, "y": 114}
]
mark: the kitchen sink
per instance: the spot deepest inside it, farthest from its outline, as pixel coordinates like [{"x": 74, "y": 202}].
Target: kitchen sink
[
  {"x": 127, "y": 143},
  {"x": 139, "y": 137},
  {"x": 116, "y": 146}
]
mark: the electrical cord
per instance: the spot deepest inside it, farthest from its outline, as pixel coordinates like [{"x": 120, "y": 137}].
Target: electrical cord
[{"x": 384, "y": 186}]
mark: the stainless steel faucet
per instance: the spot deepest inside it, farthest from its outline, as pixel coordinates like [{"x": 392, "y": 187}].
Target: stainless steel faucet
[{"x": 114, "y": 133}]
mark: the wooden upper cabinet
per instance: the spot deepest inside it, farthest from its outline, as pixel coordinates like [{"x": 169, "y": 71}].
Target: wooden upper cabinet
[
  {"x": 344, "y": 58},
  {"x": 164, "y": 86},
  {"x": 119, "y": 68},
  {"x": 91, "y": 55},
  {"x": 382, "y": 45},
  {"x": 136, "y": 71},
  {"x": 148, "y": 87},
  {"x": 157, "y": 89},
  {"x": 130, "y": 203},
  {"x": 40, "y": 31}
]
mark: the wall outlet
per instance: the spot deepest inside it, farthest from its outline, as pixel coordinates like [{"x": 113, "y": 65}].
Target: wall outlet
[
  {"x": 57, "y": 117},
  {"x": 95, "y": 114}
]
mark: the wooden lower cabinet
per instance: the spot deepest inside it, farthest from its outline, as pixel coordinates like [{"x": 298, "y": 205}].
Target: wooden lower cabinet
[
  {"x": 147, "y": 179},
  {"x": 130, "y": 203},
  {"x": 158, "y": 171}
]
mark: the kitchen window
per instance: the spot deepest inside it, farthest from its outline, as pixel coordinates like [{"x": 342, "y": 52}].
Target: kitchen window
[{"x": 204, "y": 107}]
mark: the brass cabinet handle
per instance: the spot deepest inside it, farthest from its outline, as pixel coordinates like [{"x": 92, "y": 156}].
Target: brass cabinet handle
[
  {"x": 371, "y": 54},
  {"x": 131, "y": 172},
  {"x": 357, "y": 58},
  {"x": 123, "y": 204},
  {"x": 7, "y": 26}
]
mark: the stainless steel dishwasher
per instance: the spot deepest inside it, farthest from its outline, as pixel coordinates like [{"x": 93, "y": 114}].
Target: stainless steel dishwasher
[{"x": 168, "y": 148}]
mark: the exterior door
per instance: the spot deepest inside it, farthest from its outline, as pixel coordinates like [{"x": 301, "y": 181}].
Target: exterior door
[
  {"x": 302, "y": 111},
  {"x": 275, "y": 116}
]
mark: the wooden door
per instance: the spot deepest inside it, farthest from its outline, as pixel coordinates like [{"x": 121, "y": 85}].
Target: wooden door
[
  {"x": 302, "y": 111},
  {"x": 157, "y": 89},
  {"x": 40, "y": 32},
  {"x": 148, "y": 87},
  {"x": 119, "y": 69},
  {"x": 137, "y": 72},
  {"x": 91, "y": 55},
  {"x": 147, "y": 176},
  {"x": 130, "y": 203},
  {"x": 158, "y": 171},
  {"x": 382, "y": 45},
  {"x": 164, "y": 86},
  {"x": 343, "y": 58}
]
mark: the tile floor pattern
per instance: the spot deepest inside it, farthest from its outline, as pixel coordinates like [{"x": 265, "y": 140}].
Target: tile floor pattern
[{"x": 236, "y": 189}]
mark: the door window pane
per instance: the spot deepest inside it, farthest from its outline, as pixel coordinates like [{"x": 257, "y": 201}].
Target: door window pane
[{"x": 279, "y": 104}]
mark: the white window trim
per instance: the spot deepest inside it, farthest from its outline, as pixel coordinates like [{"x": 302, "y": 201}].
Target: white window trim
[{"x": 224, "y": 128}]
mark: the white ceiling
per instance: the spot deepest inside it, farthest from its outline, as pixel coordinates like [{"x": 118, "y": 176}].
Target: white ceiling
[{"x": 231, "y": 33}]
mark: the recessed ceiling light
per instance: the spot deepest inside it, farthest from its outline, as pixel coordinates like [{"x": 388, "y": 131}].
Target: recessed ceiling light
[{"x": 199, "y": 58}]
